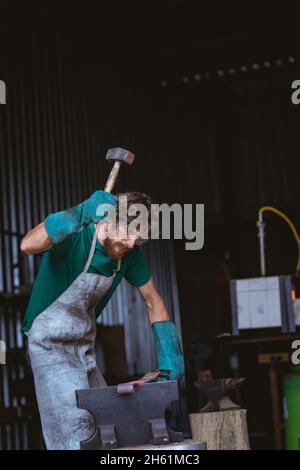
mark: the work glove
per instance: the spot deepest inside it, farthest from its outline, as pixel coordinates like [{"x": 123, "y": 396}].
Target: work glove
[
  {"x": 168, "y": 350},
  {"x": 60, "y": 225}
]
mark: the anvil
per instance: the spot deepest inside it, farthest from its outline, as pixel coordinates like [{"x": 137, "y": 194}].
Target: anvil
[
  {"x": 216, "y": 391},
  {"x": 129, "y": 414}
]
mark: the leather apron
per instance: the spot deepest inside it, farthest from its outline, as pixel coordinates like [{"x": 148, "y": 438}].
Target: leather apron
[{"x": 61, "y": 347}]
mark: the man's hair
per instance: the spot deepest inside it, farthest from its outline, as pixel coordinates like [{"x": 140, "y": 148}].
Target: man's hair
[{"x": 133, "y": 198}]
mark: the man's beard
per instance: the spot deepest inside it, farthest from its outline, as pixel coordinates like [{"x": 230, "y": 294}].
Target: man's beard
[{"x": 114, "y": 249}]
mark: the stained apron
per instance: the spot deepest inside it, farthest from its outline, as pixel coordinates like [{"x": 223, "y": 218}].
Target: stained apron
[{"x": 61, "y": 347}]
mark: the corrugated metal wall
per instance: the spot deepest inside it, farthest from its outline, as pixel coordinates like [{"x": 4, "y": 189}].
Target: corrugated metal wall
[
  {"x": 227, "y": 141},
  {"x": 52, "y": 155},
  {"x": 233, "y": 137},
  {"x": 268, "y": 147}
]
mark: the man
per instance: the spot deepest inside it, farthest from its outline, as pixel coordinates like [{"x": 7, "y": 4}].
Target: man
[{"x": 82, "y": 264}]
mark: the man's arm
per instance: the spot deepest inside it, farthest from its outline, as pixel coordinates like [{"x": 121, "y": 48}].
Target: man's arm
[
  {"x": 167, "y": 345},
  {"x": 59, "y": 225},
  {"x": 36, "y": 241},
  {"x": 154, "y": 303}
]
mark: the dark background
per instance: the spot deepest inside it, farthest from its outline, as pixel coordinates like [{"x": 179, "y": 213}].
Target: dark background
[{"x": 200, "y": 93}]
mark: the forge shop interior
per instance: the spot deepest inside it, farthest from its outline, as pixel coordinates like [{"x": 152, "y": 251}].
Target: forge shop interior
[{"x": 186, "y": 333}]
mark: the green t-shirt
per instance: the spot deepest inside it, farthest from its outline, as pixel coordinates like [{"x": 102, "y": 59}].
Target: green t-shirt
[{"x": 61, "y": 265}]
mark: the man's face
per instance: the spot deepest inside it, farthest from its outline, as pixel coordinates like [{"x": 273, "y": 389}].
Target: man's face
[{"x": 119, "y": 243}]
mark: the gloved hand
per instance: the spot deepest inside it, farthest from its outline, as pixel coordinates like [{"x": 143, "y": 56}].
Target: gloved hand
[
  {"x": 61, "y": 224},
  {"x": 168, "y": 349}
]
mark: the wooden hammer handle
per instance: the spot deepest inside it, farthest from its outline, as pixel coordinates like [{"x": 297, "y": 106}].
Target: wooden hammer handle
[{"x": 111, "y": 181}]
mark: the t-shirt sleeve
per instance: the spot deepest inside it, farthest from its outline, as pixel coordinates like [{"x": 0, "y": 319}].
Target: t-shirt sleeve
[
  {"x": 60, "y": 250},
  {"x": 138, "y": 271}
]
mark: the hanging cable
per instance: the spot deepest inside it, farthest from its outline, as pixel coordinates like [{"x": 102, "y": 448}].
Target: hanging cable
[{"x": 288, "y": 221}]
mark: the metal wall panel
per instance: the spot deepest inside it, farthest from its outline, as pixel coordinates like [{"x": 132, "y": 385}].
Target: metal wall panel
[
  {"x": 230, "y": 143},
  {"x": 267, "y": 146},
  {"x": 52, "y": 155}
]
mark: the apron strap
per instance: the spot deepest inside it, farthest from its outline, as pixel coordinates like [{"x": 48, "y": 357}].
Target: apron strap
[
  {"x": 92, "y": 251},
  {"x": 118, "y": 266}
]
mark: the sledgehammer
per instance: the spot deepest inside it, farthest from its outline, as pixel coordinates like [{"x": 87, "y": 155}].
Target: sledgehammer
[{"x": 120, "y": 156}]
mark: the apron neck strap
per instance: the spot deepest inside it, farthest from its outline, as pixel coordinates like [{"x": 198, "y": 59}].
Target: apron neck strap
[
  {"x": 117, "y": 268},
  {"x": 92, "y": 251}
]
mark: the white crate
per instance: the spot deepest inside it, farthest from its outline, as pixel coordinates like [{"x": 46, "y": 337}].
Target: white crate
[{"x": 261, "y": 302}]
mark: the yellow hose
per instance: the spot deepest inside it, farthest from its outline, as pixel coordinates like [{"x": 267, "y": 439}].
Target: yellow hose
[{"x": 288, "y": 221}]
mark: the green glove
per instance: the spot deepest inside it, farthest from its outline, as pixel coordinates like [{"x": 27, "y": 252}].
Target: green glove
[
  {"x": 168, "y": 349},
  {"x": 60, "y": 225}
]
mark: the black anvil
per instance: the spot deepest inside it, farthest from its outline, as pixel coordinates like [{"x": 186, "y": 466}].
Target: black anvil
[
  {"x": 216, "y": 391},
  {"x": 129, "y": 414}
]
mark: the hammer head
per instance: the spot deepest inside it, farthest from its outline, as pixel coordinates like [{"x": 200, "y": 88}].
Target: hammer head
[{"x": 121, "y": 155}]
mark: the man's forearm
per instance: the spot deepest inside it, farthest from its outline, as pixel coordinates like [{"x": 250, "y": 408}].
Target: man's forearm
[
  {"x": 156, "y": 309},
  {"x": 59, "y": 225},
  {"x": 36, "y": 240},
  {"x": 167, "y": 344}
]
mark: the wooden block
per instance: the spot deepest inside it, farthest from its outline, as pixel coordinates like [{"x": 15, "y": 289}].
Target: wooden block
[{"x": 221, "y": 430}]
